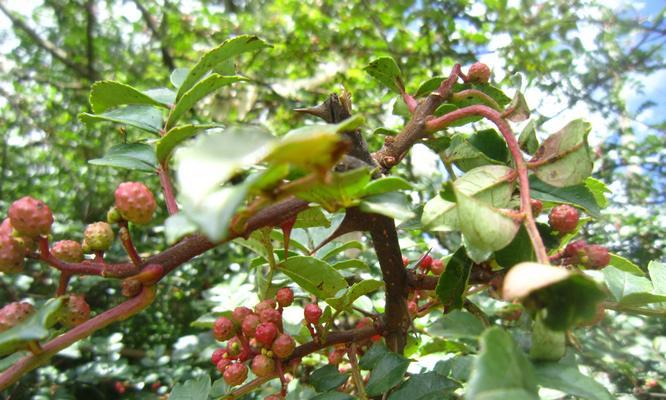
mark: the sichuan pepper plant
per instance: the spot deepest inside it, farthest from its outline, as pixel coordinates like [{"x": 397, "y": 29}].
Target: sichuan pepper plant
[{"x": 326, "y": 323}]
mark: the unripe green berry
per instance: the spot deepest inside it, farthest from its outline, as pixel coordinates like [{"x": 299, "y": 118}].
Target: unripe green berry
[{"x": 98, "y": 236}]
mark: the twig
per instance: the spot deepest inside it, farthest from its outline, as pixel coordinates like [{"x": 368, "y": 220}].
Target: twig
[{"x": 356, "y": 372}]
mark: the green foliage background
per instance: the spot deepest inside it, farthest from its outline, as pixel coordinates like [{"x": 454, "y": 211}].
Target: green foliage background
[{"x": 319, "y": 47}]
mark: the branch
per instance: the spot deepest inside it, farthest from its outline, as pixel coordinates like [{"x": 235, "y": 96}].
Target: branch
[
  {"x": 90, "y": 37},
  {"x": 495, "y": 117},
  {"x": 47, "y": 45},
  {"x": 395, "y": 148},
  {"x": 117, "y": 313}
]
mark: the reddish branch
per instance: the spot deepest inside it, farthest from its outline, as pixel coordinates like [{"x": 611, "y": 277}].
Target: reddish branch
[
  {"x": 118, "y": 313},
  {"x": 495, "y": 117}
]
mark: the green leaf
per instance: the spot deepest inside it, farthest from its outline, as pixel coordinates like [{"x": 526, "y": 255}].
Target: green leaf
[
  {"x": 343, "y": 190},
  {"x": 528, "y": 140},
  {"x": 568, "y": 379},
  {"x": 657, "y": 272},
  {"x": 386, "y": 374},
  {"x": 144, "y": 117},
  {"x": 625, "y": 265},
  {"x": 484, "y": 227},
  {"x": 175, "y": 136},
  {"x": 393, "y": 204},
  {"x": 458, "y": 368},
  {"x": 455, "y": 325},
  {"x": 351, "y": 264},
  {"x": 344, "y": 300},
  {"x": 35, "y": 327},
  {"x": 629, "y": 289},
  {"x": 566, "y": 297},
  {"x": 352, "y": 244},
  {"x": 327, "y": 378},
  {"x": 429, "y": 86},
  {"x": 315, "y": 146},
  {"x": 518, "y": 110},
  {"x": 211, "y": 160},
  {"x": 162, "y": 95},
  {"x": 471, "y": 151},
  {"x": 200, "y": 90},
  {"x": 193, "y": 389},
  {"x": 427, "y": 386},
  {"x": 312, "y": 217},
  {"x": 178, "y": 76},
  {"x": 386, "y": 184},
  {"x": 209, "y": 61},
  {"x": 371, "y": 358},
  {"x": 501, "y": 366},
  {"x": 598, "y": 190},
  {"x": 313, "y": 275},
  {"x": 564, "y": 158},
  {"x": 519, "y": 250},
  {"x": 106, "y": 95},
  {"x": 547, "y": 344},
  {"x": 178, "y": 226},
  {"x": 576, "y": 195},
  {"x": 489, "y": 184},
  {"x": 386, "y": 71},
  {"x": 453, "y": 281},
  {"x": 133, "y": 156}
]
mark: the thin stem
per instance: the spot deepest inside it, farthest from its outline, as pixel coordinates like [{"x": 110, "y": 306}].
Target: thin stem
[
  {"x": 128, "y": 245},
  {"x": 356, "y": 373},
  {"x": 410, "y": 101},
  {"x": 495, "y": 117},
  {"x": 167, "y": 188},
  {"x": 62, "y": 284}
]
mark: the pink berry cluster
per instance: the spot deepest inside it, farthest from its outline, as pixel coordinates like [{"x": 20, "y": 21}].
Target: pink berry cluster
[
  {"x": 255, "y": 337},
  {"x": 592, "y": 256}
]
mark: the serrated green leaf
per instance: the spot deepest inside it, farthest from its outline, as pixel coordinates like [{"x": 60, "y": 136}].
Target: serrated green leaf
[
  {"x": 312, "y": 217},
  {"x": 564, "y": 158},
  {"x": 483, "y": 226},
  {"x": 327, "y": 378},
  {"x": 426, "y": 386},
  {"x": 313, "y": 275},
  {"x": 489, "y": 184},
  {"x": 429, "y": 86},
  {"x": 175, "y": 136},
  {"x": 500, "y": 353},
  {"x": 372, "y": 356},
  {"x": 343, "y": 190},
  {"x": 200, "y": 90},
  {"x": 568, "y": 379},
  {"x": 144, "y": 117},
  {"x": 471, "y": 151},
  {"x": 386, "y": 184},
  {"x": 452, "y": 282},
  {"x": 105, "y": 95},
  {"x": 387, "y": 72},
  {"x": 455, "y": 325},
  {"x": 209, "y": 61},
  {"x": 657, "y": 272},
  {"x": 352, "y": 244},
  {"x": 625, "y": 265},
  {"x": 528, "y": 140},
  {"x": 193, "y": 389},
  {"x": 576, "y": 195},
  {"x": 393, "y": 204},
  {"x": 133, "y": 156},
  {"x": 388, "y": 372},
  {"x": 629, "y": 289},
  {"x": 345, "y": 299},
  {"x": 178, "y": 76}
]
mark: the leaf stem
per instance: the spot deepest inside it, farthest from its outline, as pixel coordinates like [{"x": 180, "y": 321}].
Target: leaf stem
[
  {"x": 167, "y": 188},
  {"x": 356, "y": 372},
  {"x": 128, "y": 245}
]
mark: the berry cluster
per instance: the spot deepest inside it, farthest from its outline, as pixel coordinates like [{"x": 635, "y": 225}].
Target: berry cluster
[
  {"x": 29, "y": 219},
  {"x": 425, "y": 265},
  {"x": 256, "y": 337}
]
